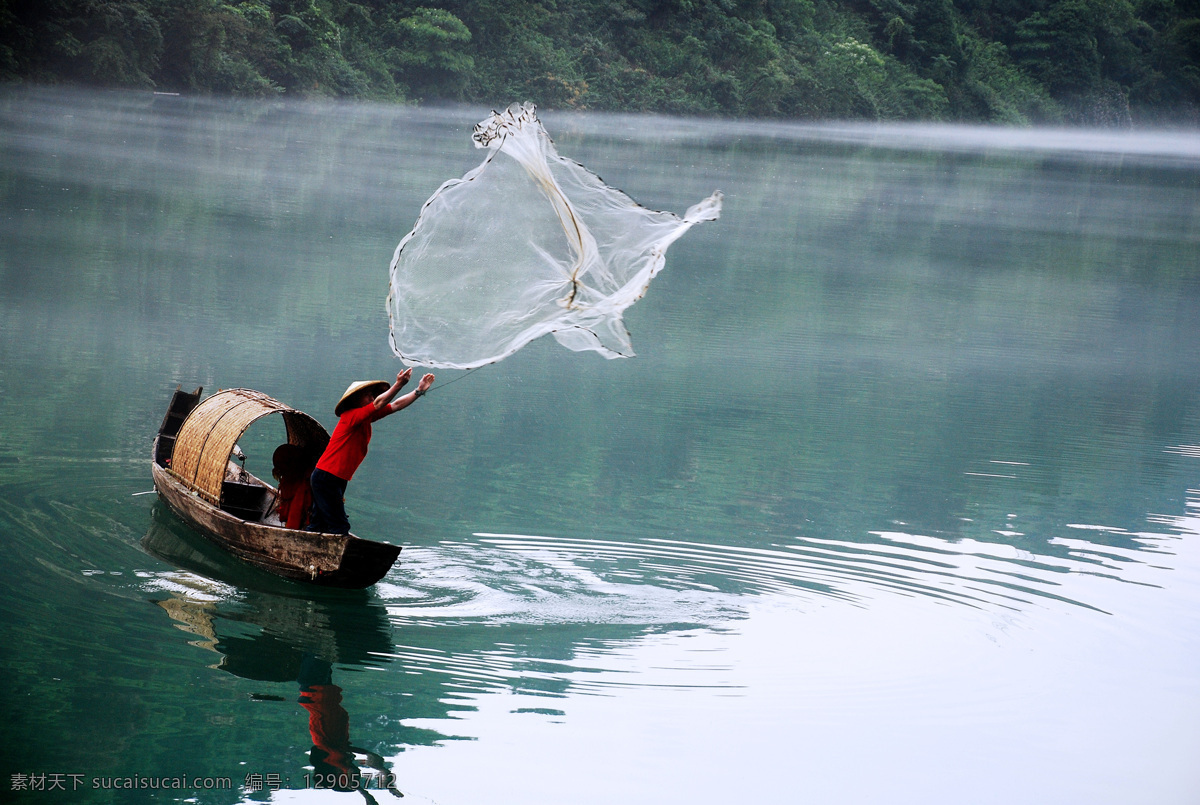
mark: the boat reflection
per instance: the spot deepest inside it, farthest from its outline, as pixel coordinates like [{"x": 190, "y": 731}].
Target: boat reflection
[{"x": 283, "y": 638}]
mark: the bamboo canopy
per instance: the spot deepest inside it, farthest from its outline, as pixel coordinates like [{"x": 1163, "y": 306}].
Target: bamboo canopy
[{"x": 206, "y": 439}]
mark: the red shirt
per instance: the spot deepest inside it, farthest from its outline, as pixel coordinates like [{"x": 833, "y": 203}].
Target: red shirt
[
  {"x": 295, "y": 499},
  {"x": 348, "y": 445}
]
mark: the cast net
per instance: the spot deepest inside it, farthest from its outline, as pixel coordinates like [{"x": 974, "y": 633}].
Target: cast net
[{"x": 526, "y": 244}]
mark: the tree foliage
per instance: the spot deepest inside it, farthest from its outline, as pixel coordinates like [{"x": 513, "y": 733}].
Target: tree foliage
[{"x": 1012, "y": 61}]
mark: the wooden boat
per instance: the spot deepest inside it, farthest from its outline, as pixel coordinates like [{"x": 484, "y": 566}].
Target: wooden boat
[{"x": 197, "y": 478}]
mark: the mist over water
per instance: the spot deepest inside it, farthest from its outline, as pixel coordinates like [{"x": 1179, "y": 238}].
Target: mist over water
[{"x": 900, "y": 500}]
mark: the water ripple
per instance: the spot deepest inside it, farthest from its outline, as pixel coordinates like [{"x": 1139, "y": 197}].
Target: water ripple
[{"x": 529, "y": 578}]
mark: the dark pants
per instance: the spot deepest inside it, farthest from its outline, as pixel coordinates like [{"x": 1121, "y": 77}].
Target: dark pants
[{"x": 329, "y": 504}]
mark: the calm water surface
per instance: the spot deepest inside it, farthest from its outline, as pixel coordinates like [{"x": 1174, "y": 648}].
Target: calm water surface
[{"x": 899, "y": 502}]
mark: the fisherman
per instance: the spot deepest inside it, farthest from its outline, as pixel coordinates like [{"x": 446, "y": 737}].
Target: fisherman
[{"x": 364, "y": 402}]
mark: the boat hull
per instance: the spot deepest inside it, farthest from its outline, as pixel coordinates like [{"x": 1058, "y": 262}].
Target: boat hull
[{"x": 328, "y": 560}]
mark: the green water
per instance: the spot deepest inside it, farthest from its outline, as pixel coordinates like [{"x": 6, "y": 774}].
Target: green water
[{"x": 899, "y": 502}]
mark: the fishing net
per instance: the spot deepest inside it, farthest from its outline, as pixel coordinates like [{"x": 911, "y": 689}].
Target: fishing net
[{"x": 526, "y": 244}]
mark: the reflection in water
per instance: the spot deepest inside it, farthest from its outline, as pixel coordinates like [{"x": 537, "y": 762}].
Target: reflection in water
[
  {"x": 299, "y": 640},
  {"x": 333, "y": 756}
]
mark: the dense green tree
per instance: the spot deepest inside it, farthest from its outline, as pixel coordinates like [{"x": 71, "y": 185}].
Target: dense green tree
[
  {"x": 431, "y": 51},
  {"x": 211, "y": 45},
  {"x": 1012, "y": 61},
  {"x": 110, "y": 42}
]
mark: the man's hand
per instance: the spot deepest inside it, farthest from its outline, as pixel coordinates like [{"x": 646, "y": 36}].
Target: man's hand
[{"x": 408, "y": 399}]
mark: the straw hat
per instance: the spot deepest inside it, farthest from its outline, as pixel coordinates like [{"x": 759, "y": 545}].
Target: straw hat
[{"x": 376, "y": 387}]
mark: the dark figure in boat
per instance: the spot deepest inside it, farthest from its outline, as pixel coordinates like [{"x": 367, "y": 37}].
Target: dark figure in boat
[
  {"x": 292, "y": 468},
  {"x": 364, "y": 402}
]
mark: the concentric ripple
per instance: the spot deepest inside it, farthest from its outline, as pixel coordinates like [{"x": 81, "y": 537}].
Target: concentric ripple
[{"x": 530, "y": 578}]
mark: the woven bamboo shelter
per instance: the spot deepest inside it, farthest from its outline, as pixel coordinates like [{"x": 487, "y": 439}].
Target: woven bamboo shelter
[{"x": 201, "y": 456}]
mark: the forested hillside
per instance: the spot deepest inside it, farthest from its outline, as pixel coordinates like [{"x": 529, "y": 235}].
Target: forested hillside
[{"x": 1108, "y": 62}]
